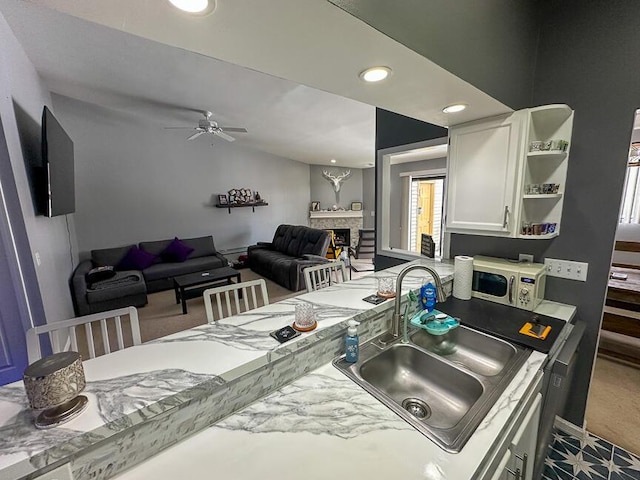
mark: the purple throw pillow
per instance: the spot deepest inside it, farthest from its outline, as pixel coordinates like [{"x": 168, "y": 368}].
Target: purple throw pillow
[
  {"x": 176, "y": 251},
  {"x": 136, "y": 259}
]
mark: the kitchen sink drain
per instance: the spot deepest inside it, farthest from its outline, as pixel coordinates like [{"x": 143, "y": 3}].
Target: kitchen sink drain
[{"x": 416, "y": 407}]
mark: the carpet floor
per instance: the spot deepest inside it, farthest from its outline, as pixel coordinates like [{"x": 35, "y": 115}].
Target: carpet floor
[
  {"x": 612, "y": 409},
  {"x": 162, "y": 316}
]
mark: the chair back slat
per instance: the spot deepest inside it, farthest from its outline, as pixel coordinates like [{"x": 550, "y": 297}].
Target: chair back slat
[
  {"x": 105, "y": 336},
  {"x": 68, "y": 327},
  {"x": 324, "y": 275},
  {"x": 222, "y": 297}
]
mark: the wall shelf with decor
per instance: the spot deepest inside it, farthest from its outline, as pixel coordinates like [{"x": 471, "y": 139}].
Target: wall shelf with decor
[{"x": 252, "y": 205}]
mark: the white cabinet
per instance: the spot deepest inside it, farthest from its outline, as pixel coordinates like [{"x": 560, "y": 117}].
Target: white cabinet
[
  {"x": 498, "y": 184},
  {"x": 482, "y": 175},
  {"x": 517, "y": 461}
]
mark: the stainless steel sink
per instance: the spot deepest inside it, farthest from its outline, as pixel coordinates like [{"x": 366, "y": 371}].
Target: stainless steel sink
[
  {"x": 476, "y": 351},
  {"x": 403, "y": 373},
  {"x": 443, "y": 399}
]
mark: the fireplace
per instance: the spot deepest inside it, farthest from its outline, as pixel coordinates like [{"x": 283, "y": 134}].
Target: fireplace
[
  {"x": 342, "y": 237},
  {"x": 349, "y": 220}
]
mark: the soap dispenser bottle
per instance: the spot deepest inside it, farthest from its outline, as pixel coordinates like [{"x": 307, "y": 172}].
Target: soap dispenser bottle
[{"x": 351, "y": 342}]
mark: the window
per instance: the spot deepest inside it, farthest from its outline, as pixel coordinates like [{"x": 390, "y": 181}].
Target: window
[{"x": 630, "y": 209}]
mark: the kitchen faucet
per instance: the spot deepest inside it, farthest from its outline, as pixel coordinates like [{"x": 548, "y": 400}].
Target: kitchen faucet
[{"x": 397, "y": 317}]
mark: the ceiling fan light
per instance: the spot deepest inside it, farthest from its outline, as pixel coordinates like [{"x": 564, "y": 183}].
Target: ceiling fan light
[
  {"x": 191, "y": 6},
  {"x": 375, "y": 74},
  {"x": 456, "y": 107}
]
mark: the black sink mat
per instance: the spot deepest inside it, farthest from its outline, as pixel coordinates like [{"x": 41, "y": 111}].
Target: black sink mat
[{"x": 501, "y": 321}]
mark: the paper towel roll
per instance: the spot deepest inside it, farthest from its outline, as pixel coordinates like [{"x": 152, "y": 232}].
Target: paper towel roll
[{"x": 462, "y": 277}]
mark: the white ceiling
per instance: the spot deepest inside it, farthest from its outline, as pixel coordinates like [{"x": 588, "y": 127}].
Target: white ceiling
[{"x": 150, "y": 59}]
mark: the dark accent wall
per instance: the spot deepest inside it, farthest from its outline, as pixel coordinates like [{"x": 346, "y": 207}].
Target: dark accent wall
[
  {"x": 490, "y": 43},
  {"x": 392, "y": 130},
  {"x": 588, "y": 59}
]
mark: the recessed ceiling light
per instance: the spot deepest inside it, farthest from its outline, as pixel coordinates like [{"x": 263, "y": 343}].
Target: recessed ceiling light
[
  {"x": 333, "y": 160},
  {"x": 456, "y": 107},
  {"x": 191, "y": 6},
  {"x": 375, "y": 74}
]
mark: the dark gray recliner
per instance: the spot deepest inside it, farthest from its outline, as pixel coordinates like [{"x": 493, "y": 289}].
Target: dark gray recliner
[{"x": 294, "y": 248}]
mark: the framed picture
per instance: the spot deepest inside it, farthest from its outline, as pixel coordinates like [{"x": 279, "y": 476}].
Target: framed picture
[
  {"x": 357, "y": 206},
  {"x": 222, "y": 200},
  {"x": 315, "y": 206}
]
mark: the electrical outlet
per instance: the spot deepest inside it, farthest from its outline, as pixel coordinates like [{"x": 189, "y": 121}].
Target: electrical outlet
[
  {"x": 525, "y": 257},
  {"x": 566, "y": 269},
  {"x": 37, "y": 255},
  {"x": 61, "y": 473}
]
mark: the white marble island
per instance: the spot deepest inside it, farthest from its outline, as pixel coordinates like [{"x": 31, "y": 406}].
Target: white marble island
[{"x": 146, "y": 398}]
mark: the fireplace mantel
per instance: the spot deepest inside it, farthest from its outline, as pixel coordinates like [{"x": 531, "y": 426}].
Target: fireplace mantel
[{"x": 336, "y": 214}]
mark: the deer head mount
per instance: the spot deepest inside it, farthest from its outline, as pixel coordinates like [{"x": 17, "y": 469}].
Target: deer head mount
[{"x": 336, "y": 181}]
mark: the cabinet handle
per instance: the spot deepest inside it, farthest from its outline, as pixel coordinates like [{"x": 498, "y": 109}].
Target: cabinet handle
[
  {"x": 516, "y": 474},
  {"x": 505, "y": 221},
  {"x": 524, "y": 458}
]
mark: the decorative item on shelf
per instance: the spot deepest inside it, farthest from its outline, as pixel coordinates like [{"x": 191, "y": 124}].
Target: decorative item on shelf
[
  {"x": 529, "y": 228},
  {"x": 223, "y": 200},
  {"x": 356, "y": 206},
  {"x": 258, "y": 197},
  {"x": 427, "y": 246},
  {"x": 53, "y": 385},
  {"x": 547, "y": 145},
  {"x": 541, "y": 188},
  {"x": 337, "y": 181},
  {"x": 315, "y": 206}
]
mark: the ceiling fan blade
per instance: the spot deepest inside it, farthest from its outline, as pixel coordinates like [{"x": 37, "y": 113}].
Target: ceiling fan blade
[
  {"x": 234, "y": 129},
  {"x": 195, "y": 135},
  {"x": 181, "y": 128},
  {"x": 228, "y": 138}
]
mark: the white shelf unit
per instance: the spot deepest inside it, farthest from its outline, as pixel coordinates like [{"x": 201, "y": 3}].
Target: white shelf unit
[{"x": 546, "y": 123}]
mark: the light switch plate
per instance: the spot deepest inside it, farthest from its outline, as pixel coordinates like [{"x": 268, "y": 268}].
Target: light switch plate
[
  {"x": 566, "y": 269},
  {"x": 61, "y": 473}
]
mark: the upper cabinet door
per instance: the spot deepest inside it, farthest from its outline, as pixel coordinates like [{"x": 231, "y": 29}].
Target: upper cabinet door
[{"x": 483, "y": 176}]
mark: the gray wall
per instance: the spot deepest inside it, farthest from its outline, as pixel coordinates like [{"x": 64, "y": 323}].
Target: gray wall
[
  {"x": 22, "y": 98},
  {"x": 395, "y": 193},
  {"x": 136, "y": 181},
  {"x": 605, "y": 94},
  {"x": 322, "y": 189},
  {"x": 369, "y": 197},
  {"x": 490, "y": 43}
]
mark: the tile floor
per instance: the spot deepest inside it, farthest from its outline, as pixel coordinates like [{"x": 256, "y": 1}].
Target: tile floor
[{"x": 591, "y": 458}]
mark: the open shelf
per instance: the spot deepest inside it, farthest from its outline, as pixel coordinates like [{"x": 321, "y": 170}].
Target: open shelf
[
  {"x": 539, "y": 237},
  {"x": 243, "y": 205},
  {"x": 548, "y": 154},
  {"x": 543, "y": 195}
]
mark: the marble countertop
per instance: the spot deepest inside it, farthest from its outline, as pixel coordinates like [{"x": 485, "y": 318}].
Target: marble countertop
[
  {"x": 134, "y": 385},
  {"x": 325, "y": 426}
]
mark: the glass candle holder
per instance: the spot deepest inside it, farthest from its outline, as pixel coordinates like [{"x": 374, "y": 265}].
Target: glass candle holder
[
  {"x": 305, "y": 318},
  {"x": 387, "y": 287}
]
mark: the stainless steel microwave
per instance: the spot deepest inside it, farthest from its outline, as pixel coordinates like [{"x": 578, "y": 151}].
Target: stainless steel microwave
[{"x": 508, "y": 282}]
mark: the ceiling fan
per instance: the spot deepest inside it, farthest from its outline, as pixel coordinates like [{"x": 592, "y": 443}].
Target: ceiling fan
[{"x": 211, "y": 127}]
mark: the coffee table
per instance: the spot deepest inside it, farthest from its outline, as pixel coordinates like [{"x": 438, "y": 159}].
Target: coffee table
[{"x": 193, "y": 284}]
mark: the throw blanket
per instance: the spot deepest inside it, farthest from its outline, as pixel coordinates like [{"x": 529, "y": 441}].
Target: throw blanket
[{"x": 121, "y": 278}]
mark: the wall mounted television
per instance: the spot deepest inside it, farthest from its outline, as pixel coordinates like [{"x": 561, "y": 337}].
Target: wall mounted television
[{"x": 58, "y": 162}]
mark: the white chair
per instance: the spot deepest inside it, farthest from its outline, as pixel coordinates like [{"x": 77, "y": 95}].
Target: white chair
[
  {"x": 324, "y": 275},
  {"x": 223, "y": 299},
  {"x": 71, "y": 342}
]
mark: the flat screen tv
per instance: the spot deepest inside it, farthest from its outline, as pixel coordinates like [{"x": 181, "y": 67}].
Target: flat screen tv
[{"x": 57, "y": 155}]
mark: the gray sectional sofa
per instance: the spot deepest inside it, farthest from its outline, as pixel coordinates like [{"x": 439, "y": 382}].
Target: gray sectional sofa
[
  {"x": 294, "y": 248},
  {"x": 130, "y": 287}
]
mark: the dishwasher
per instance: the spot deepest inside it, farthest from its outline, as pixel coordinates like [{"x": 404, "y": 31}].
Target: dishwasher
[{"x": 556, "y": 382}]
